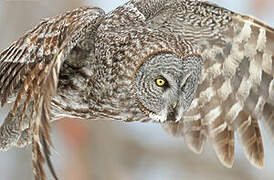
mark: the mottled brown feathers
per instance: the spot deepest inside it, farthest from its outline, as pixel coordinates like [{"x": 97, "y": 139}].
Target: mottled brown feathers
[
  {"x": 83, "y": 63},
  {"x": 238, "y": 71},
  {"x": 32, "y": 65}
]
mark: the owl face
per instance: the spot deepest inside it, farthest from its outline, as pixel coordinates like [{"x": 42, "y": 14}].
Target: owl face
[{"x": 165, "y": 86}]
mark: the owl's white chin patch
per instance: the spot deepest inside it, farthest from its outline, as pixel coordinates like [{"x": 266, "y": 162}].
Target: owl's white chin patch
[
  {"x": 180, "y": 114},
  {"x": 165, "y": 115},
  {"x": 161, "y": 117}
]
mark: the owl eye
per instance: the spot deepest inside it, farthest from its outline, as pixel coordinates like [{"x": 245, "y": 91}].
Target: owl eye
[{"x": 161, "y": 82}]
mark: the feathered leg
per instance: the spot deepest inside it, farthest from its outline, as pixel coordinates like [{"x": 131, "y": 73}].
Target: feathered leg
[
  {"x": 9, "y": 132},
  {"x": 24, "y": 139},
  {"x": 12, "y": 133}
]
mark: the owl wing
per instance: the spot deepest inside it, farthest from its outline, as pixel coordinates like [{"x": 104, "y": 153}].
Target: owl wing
[
  {"x": 236, "y": 88},
  {"x": 29, "y": 70}
]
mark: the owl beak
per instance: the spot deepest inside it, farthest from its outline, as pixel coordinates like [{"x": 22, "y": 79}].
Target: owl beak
[
  {"x": 168, "y": 114},
  {"x": 172, "y": 114},
  {"x": 174, "y": 105}
]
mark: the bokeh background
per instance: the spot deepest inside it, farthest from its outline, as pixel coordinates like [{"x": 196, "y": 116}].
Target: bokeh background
[{"x": 108, "y": 150}]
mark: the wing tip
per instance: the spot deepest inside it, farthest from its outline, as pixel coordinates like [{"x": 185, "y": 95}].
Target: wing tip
[
  {"x": 258, "y": 164},
  {"x": 227, "y": 161},
  {"x": 257, "y": 160},
  {"x": 197, "y": 148}
]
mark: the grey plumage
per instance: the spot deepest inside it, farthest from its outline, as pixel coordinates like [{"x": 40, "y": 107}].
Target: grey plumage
[{"x": 199, "y": 69}]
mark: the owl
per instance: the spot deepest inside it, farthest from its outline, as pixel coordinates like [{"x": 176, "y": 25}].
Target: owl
[{"x": 200, "y": 70}]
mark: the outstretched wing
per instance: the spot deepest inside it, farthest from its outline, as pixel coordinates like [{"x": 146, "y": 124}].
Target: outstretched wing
[
  {"x": 236, "y": 90},
  {"x": 236, "y": 87},
  {"x": 29, "y": 71}
]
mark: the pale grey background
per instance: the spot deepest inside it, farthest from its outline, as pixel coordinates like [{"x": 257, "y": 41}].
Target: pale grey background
[{"x": 118, "y": 150}]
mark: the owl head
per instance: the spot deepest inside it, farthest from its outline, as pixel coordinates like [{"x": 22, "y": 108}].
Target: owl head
[{"x": 165, "y": 85}]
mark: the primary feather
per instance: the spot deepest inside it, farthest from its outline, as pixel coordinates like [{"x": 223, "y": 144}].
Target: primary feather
[
  {"x": 83, "y": 62},
  {"x": 30, "y": 67}
]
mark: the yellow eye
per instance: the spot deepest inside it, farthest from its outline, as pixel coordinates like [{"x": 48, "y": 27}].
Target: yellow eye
[{"x": 160, "y": 82}]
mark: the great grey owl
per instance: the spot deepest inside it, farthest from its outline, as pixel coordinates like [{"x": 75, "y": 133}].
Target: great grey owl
[{"x": 200, "y": 70}]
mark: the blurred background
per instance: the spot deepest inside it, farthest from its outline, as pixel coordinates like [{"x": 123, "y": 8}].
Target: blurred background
[{"x": 100, "y": 150}]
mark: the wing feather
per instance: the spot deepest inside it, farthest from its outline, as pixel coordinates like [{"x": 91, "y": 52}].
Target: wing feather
[
  {"x": 237, "y": 81},
  {"x": 30, "y": 69},
  {"x": 250, "y": 137},
  {"x": 194, "y": 130},
  {"x": 174, "y": 128},
  {"x": 246, "y": 70},
  {"x": 243, "y": 68}
]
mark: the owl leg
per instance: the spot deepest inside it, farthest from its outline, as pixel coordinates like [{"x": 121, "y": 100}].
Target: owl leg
[
  {"x": 24, "y": 139},
  {"x": 10, "y": 131}
]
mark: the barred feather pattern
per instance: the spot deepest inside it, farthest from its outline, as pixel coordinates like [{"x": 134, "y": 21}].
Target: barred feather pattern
[
  {"x": 236, "y": 86},
  {"x": 30, "y": 69},
  {"x": 83, "y": 64}
]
